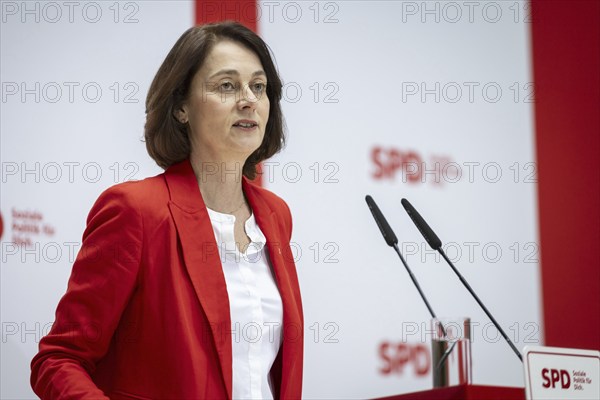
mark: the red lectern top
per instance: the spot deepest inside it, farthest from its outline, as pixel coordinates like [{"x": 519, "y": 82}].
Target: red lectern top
[{"x": 464, "y": 392}]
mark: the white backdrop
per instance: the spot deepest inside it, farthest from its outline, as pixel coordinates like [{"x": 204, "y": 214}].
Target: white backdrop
[{"x": 369, "y": 85}]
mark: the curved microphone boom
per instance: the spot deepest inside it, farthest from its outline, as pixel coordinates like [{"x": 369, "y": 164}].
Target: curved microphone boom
[{"x": 436, "y": 244}]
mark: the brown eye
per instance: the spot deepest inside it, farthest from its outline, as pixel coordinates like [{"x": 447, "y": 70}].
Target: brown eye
[
  {"x": 259, "y": 87},
  {"x": 227, "y": 86}
]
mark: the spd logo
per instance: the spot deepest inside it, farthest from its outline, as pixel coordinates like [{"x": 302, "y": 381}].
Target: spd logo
[
  {"x": 396, "y": 356},
  {"x": 552, "y": 378}
]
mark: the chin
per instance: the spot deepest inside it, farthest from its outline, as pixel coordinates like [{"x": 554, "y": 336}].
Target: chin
[
  {"x": 246, "y": 149},
  {"x": 250, "y": 144}
]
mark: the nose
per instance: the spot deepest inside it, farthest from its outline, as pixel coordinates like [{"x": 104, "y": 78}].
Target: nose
[{"x": 247, "y": 98}]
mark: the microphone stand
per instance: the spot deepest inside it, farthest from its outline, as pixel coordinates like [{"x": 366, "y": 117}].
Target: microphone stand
[{"x": 484, "y": 308}]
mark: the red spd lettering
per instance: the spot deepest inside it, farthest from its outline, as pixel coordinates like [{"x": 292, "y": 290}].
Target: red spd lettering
[
  {"x": 388, "y": 162},
  {"x": 552, "y": 377},
  {"x": 397, "y": 356}
]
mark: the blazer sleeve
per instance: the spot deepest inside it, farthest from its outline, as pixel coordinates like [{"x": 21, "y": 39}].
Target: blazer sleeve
[{"x": 102, "y": 280}]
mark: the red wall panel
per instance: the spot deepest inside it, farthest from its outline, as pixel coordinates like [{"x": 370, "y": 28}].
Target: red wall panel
[
  {"x": 566, "y": 70},
  {"x": 243, "y": 11}
]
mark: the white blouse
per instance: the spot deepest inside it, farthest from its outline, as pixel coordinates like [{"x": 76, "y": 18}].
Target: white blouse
[{"x": 255, "y": 307}]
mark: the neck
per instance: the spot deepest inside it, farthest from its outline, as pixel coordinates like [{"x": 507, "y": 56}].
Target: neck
[{"x": 220, "y": 183}]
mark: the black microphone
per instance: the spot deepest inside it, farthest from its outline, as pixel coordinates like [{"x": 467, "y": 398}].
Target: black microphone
[
  {"x": 392, "y": 241},
  {"x": 436, "y": 244},
  {"x": 434, "y": 241}
]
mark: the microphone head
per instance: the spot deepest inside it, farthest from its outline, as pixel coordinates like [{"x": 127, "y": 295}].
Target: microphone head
[
  {"x": 434, "y": 241},
  {"x": 384, "y": 227}
]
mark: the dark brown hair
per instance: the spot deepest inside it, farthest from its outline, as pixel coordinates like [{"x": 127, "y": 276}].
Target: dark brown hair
[{"x": 167, "y": 139}]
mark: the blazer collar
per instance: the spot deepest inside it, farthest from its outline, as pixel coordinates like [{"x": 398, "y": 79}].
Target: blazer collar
[{"x": 184, "y": 191}]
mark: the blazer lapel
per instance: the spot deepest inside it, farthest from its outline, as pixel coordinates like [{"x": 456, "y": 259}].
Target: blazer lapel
[
  {"x": 202, "y": 260},
  {"x": 280, "y": 255}
]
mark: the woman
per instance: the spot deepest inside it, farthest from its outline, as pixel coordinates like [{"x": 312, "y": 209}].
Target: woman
[{"x": 185, "y": 286}]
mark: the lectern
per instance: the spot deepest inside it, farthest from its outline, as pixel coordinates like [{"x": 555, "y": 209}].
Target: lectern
[{"x": 464, "y": 392}]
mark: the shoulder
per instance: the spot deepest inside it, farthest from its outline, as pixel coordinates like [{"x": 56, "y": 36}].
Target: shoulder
[
  {"x": 138, "y": 189},
  {"x": 141, "y": 196}
]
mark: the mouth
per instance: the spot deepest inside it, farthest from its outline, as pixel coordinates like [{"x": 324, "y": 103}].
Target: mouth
[{"x": 246, "y": 124}]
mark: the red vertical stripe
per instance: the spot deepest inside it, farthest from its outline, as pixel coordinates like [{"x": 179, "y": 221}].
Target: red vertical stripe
[
  {"x": 566, "y": 60},
  {"x": 243, "y": 11}
]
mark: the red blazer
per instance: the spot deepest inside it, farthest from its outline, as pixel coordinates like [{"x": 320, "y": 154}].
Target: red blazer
[{"x": 146, "y": 312}]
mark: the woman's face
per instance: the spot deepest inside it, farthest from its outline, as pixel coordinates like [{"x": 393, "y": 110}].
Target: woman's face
[{"x": 227, "y": 107}]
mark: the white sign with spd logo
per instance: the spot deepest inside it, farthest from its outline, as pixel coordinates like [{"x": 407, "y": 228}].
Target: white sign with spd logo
[{"x": 554, "y": 373}]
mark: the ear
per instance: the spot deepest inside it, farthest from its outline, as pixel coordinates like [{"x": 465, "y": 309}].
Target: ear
[{"x": 181, "y": 115}]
